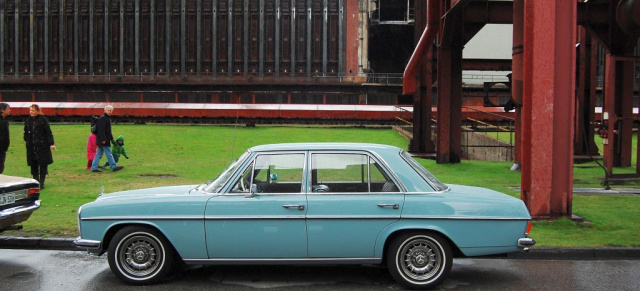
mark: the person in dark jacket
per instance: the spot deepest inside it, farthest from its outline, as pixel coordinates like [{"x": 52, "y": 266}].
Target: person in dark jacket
[
  {"x": 39, "y": 141},
  {"x": 103, "y": 140},
  {"x": 4, "y": 133}
]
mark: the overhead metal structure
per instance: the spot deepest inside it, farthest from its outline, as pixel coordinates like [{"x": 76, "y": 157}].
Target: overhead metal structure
[{"x": 551, "y": 118}]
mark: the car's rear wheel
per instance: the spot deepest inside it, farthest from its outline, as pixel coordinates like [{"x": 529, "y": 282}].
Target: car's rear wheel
[
  {"x": 419, "y": 260},
  {"x": 140, "y": 255}
]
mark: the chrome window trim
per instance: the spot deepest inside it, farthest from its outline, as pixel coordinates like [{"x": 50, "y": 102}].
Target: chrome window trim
[
  {"x": 251, "y": 159},
  {"x": 226, "y": 183},
  {"x": 401, "y": 154},
  {"x": 380, "y": 161}
]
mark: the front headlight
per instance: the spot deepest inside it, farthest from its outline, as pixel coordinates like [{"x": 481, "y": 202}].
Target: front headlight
[{"x": 79, "y": 228}]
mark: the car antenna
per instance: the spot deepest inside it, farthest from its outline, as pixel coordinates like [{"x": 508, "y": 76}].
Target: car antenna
[{"x": 235, "y": 127}]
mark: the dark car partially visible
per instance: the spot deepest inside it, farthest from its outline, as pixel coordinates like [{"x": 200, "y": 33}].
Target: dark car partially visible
[{"x": 19, "y": 198}]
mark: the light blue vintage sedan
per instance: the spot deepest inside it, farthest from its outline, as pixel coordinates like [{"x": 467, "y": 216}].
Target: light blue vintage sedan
[{"x": 318, "y": 203}]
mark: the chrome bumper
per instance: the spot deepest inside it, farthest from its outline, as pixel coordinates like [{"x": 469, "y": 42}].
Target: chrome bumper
[
  {"x": 17, "y": 214},
  {"x": 87, "y": 244},
  {"x": 526, "y": 243}
]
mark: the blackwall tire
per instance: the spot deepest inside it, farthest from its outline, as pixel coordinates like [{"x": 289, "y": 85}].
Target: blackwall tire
[
  {"x": 140, "y": 255},
  {"x": 419, "y": 260}
]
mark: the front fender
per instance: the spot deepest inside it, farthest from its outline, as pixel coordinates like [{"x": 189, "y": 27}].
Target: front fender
[{"x": 186, "y": 236}]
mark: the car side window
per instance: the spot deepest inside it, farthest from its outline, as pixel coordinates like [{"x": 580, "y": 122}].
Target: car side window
[
  {"x": 348, "y": 173},
  {"x": 380, "y": 181},
  {"x": 277, "y": 173}
]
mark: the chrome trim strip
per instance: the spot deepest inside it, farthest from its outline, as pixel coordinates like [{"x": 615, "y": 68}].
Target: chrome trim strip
[
  {"x": 142, "y": 218},
  {"x": 86, "y": 243},
  {"x": 367, "y": 217},
  {"x": 243, "y": 261},
  {"x": 256, "y": 217},
  {"x": 295, "y": 217},
  {"x": 463, "y": 218}
]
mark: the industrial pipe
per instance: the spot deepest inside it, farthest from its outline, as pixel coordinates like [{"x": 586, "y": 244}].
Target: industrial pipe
[
  {"x": 422, "y": 48},
  {"x": 517, "y": 52},
  {"x": 628, "y": 16}
]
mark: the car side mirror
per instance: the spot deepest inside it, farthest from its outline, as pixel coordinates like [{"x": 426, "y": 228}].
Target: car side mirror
[{"x": 252, "y": 193}]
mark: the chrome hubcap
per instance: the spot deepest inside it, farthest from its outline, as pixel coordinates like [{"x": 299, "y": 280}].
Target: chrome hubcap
[
  {"x": 420, "y": 259},
  {"x": 140, "y": 255}
]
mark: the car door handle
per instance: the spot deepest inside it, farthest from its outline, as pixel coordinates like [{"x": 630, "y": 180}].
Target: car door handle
[
  {"x": 287, "y": 206},
  {"x": 394, "y": 206}
]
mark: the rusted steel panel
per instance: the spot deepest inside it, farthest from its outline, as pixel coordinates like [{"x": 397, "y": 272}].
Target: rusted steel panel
[{"x": 548, "y": 163}]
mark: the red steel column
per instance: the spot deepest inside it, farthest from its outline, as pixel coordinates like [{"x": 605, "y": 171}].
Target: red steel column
[
  {"x": 549, "y": 88},
  {"x": 516, "y": 74},
  {"x": 426, "y": 92},
  {"x": 420, "y": 23},
  {"x": 352, "y": 18},
  {"x": 448, "y": 143},
  {"x": 586, "y": 82},
  {"x": 618, "y": 112}
]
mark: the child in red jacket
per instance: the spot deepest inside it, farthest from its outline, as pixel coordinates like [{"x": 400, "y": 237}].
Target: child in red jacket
[{"x": 92, "y": 147}]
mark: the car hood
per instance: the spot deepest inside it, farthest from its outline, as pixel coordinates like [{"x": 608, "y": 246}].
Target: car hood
[{"x": 149, "y": 192}]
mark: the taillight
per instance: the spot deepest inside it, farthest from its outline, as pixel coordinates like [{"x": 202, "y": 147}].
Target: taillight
[
  {"x": 33, "y": 193},
  {"x": 528, "y": 230}
]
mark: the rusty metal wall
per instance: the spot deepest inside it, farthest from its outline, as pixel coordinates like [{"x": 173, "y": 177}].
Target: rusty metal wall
[{"x": 243, "y": 39}]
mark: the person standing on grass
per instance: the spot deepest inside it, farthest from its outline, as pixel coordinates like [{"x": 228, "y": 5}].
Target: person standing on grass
[
  {"x": 39, "y": 140},
  {"x": 4, "y": 133},
  {"x": 103, "y": 140},
  {"x": 92, "y": 148}
]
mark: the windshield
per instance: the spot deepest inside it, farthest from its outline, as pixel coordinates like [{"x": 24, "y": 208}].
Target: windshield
[
  {"x": 219, "y": 181},
  {"x": 431, "y": 179}
]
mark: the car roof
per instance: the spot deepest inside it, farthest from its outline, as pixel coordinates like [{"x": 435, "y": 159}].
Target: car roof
[{"x": 378, "y": 148}]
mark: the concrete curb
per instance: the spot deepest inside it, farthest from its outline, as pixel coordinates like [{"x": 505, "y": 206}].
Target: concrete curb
[
  {"x": 608, "y": 253},
  {"x": 37, "y": 243}
]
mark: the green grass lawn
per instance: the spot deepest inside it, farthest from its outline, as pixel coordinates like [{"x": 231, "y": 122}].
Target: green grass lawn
[{"x": 189, "y": 154}]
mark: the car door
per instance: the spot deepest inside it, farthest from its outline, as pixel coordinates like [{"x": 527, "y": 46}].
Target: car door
[
  {"x": 351, "y": 200},
  {"x": 263, "y": 214}
]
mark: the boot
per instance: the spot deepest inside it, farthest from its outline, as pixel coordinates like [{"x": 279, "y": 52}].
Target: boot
[{"x": 42, "y": 183}]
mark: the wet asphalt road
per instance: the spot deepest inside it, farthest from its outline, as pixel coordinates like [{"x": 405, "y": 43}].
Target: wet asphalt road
[{"x": 65, "y": 270}]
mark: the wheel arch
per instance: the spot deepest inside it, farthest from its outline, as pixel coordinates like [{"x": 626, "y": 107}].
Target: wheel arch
[
  {"x": 398, "y": 232},
  {"x": 114, "y": 228}
]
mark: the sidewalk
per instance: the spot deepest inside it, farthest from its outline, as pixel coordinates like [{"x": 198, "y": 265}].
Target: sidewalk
[{"x": 606, "y": 253}]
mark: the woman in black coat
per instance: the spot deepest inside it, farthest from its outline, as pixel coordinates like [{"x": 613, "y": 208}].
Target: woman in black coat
[{"x": 39, "y": 139}]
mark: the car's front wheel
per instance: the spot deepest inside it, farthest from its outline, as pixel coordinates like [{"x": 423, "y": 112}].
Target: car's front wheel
[
  {"x": 140, "y": 255},
  {"x": 419, "y": 260}
]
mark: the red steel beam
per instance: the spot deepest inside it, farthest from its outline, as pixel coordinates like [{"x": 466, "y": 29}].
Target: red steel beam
[
  {"x": 548, "y": 105},
  {"x": 487, "y": 64}
]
